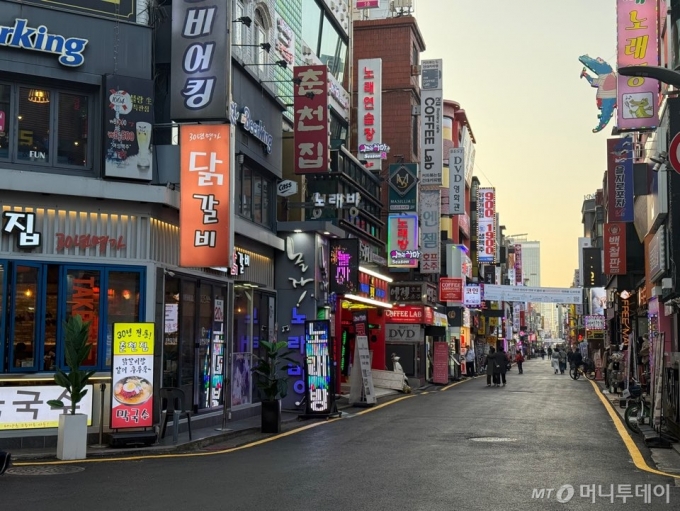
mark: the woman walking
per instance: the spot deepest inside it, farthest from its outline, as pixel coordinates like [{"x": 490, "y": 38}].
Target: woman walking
[
  {"x": 563, "y": 361},
  {"x": 555, "y": 360},
  {"x": 503, "y": 362},
  {"x": 519, "y": 359},
  {"x": 492, "y": 371}
]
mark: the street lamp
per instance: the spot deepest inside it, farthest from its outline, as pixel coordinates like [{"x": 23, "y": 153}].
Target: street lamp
[{"x": 662, "y": 74}]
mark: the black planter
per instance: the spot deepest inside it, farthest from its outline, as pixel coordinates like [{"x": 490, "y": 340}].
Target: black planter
[{"x": 271, "y": 416}]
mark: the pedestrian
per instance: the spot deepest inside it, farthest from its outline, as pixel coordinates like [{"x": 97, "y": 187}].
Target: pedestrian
[
  {"x": 470, "y": 362},
  {"x": 503, "y": 363},
  {"x": 542, "y": 353},
  {"x": 550, "y": 352},
  {"x": 5, "y": 461},
  {"x": 490, "y": 364},
  {"x": 519, "y": 359},
  {"x": 555, "y": 360},
  {"x": 576, "y": 359},
  {"x": 563, "y": 361}
]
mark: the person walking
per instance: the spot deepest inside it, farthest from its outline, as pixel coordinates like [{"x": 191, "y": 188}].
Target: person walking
[
  {"x": 490, "y": 364},
  {"x": 503, "y": 362},
  {"x": 563, "y": 360},
  {"x": 555, "y": 359},
  {"x": 519, "y": 359},
  {"x": 470, "y": 362},
  {"x": 550, "y": 352},
  {"x": 576, "y": 359}
]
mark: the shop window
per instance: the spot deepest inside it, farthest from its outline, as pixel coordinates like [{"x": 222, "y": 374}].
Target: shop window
[
  {"x": 34, "y": 125},
  {"x": 256, "y": 196},
  {"x": 330, "y": 41},
  {"x": 2, "y": 315},
  {"x": 266, "y": 207},
  {"x": 238, "y": 28},
  {"x": 247, "y": 191},
  {"x": 205, "y": 320},
  {"x": 188, "y": 338},
  {"x": 83, "y": 297},
  {"x": 49, "y": 361},
  {"x": 260, "y": 38},
  {"x": 171, "y": 332},
  {"x": 257, "y": 199},
  {"x": 311, "y": 24},
  {"x": 5, "y": 120},
  {"x": 123, "y": 293},
  {"x": 25, "y": 326},
  {"x": 72, "y": 130}
]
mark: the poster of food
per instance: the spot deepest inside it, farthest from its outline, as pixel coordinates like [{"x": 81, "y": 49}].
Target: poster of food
[
  {"x": 132, "y": 375},
  {"x": 128, "y": 119}
]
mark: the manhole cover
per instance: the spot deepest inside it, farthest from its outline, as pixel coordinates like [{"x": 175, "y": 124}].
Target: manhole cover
[
  {"x": 44, "y": 470},
  {"x": 493, "y": 439}
]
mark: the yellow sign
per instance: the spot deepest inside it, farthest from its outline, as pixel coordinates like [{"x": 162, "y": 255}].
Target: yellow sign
[
  {"x": 133, "y": 338},
  {"x": 492, "y": 341}
]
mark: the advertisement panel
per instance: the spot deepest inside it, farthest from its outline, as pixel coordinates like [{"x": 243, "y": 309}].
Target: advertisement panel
[
  {"x": 486, "y": 225},
  {"x": 620, "y": 185},
  {"x": 128, "y": 118},
  {"x": 125, "y": 10},
  {"x": 637, "y": 45},
  {"x": 518, "y": 265},
  {"x": 430, "y": 234},
  {"x": 199, "y": 82},
  {"x": 318, "y": 367},
  {"x": 472, "y": 295},
  {"x": 598, "y": 301},
  {"x": 311, "y": 139},
  {"x": 656, "y": 254},
  {"x": 440, "y": 373},
  {"x": 402, "y": 241},
  {"x": 592, "y": 267},
  {"x": 594, "y": 322},
  {"x": 204, "y": 215},
  {"x": 132, "y": 375},
  {"x": 403, "y": 189},
  {"x": 410, "y": 314},
  {"x": 615, "y": 248},
  {"x": 344, "y": 266},
  {"x": 431, "y": 123},
  {"x": 367, "y": 4},
  {"x": 369, "y": 111},
  {"x": 27, "y": 408},
  {"x": 451, "y": 289},
  {"x": 493, "y": 292},
  {"x": 457, "y": 181}
]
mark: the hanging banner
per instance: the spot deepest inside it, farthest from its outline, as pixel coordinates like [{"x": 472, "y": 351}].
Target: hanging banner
[
  {"x": 615, "y": 248},
  {"x": 132, "y": 375},
  {"x": 318, "y": 367},
  {"x": 486, "y": 225},
  {"x": 430, "y": 234},
  {"x": 518, "y": 266},
  {"x": 402, "y": 241},
  {"x": 369, "y": 111},
  {"x": 205, "y": 197},
  {"x": 312, "y": 137},
  {"x": 637, "y": 45},
  {"x": 496, "y": 293},
  {"x": 431, "y": 123},
  {"x": 620, "y": 185},
  {"x": 457, "y": 181}
]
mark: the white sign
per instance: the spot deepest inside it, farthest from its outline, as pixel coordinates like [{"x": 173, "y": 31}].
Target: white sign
[
  {"x": 27, "y": 408},
  {"x": 497, "y": 293},
  {"x": 285, "y": 41},
  {"x": 365, "y": 365},
  {"x": 369, "y": 106},
  {"x": 431, "y": 123},
  {"x": 287, "y": 188},
  {"x": 472, "y": 295},
  {"x": 430, "y": 234},
  {"x": 336, "y": 199},
  {"x": 512, "y": 276},
  {"x": 486, "y": 225},
  {"x": 457, "y": 181},
  {"x": 470, "y": 149}
]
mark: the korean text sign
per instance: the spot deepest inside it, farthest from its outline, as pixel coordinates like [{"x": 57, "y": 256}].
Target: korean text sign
[
  {"x": 451, "y": 289},
  {"x": 457, "y": 181},
  {"x": 620, "y": 185},
  {"x": 430, "y": 234},
  {"x": 311, "y": 119},
  {"x": 369, "y": 104},
  {"x": 344, "y": 266},
  {"x": 27, "y": 408},
  {"x": 204, "y": 215},
  {"x": 200, "y": 71},
  {"x": 486, "y": 225},
  {"x": 637, "y": 33},
  {"x": 402, "y": 241},
  {"x": 318, "y": 366},
  {"x": 132, "y": 375},
  {"x": 431, "y": 123},
  {"x": 615, "y": 248}
]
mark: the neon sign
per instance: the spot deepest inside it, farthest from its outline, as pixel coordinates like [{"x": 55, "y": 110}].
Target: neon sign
[{"x": 318, "y": 366}]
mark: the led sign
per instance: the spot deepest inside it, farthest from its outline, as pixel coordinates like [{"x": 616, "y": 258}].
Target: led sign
[{"x": 318, "y": 366}]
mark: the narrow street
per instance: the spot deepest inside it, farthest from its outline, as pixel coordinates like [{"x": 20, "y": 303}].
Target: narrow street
[{"x": 466, "y": 448}]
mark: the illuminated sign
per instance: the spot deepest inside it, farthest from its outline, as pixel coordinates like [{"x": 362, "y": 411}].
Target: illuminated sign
[
  {"x": 624, "y": 319},
  {"x": 372, "y": 287},
  {"x": 318, "y": 366},
  {"x": 344, "y": 267},
  {"x": 486, "y": 225},
  {"x": 21, "y": 36},
  {"x": 431, "y": 123},
  {"x": 369, "y": 117},
  {"x": 402, "y": 241}
]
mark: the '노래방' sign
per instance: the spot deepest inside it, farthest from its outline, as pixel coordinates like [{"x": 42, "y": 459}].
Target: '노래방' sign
[{"x": 318, "y": 366}]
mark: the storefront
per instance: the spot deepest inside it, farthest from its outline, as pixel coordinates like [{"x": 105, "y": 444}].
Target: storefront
[{"x": 406, "y": 337}]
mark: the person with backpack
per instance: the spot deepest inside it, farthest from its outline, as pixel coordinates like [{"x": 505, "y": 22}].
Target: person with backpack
[{"x": 519, "y": 359}]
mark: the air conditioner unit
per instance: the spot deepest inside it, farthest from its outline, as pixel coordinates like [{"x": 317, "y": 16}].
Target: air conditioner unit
[
  {"x": 416, "y": 70},
  {"x": 403, "y": 4},
  {"x": 667, "y": 284}
]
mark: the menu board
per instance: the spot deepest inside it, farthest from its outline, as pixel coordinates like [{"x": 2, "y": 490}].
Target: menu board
[
  {"x": 365, "y": 366},
  {"x": 26, "y": 407},
  {"x": 318, "y": 366},
  {"x": 132, "y": 375},
  {"x": 441, "y": 363}
]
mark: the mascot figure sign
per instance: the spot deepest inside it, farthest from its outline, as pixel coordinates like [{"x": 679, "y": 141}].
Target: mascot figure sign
[{"x": 605, "y": 83}]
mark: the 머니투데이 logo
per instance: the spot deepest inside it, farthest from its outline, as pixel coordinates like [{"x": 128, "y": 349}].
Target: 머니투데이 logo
[{"x": 21, "y": 36}]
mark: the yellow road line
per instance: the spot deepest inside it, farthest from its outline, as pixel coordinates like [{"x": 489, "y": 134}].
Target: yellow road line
[
  {"x": 457, "y": 383},
  {"x": 373, "y": 409},
  {"x": 633, "y": 450}
]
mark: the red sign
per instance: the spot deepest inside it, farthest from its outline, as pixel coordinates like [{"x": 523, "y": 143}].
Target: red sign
[
  {"x": 311, "y": 119},
  {"x": 441, "y": 363},
  {"x": 412, "y": 314},
  {"x": 673, "y": 156},
  {"x": 83, "y": 241},
  {"x": 615, "y": 248},
  {"x": 451, "y": 289}
]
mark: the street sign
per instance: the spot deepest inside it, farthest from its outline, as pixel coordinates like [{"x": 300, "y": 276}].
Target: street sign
[{"x": 673, "y": 156}]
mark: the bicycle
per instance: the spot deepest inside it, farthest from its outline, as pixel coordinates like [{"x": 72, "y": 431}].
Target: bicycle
[
  {"x": 586, "y": 369},
  {"x": 638, "y": 411}
]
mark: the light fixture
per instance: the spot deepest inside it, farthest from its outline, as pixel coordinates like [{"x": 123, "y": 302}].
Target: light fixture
[
  {"x": 369, "y": 301},
  {"x": 38, "y": 96},
  {"x": 375, "y": 274},
  {"x": 240, "y": 158},
  {"x": 297, "y": 231},
  {"x": 246, "y": 20},
  {"x": 265, "y": 46},
  {"x": 624, "y": 294},
  {"x": 326, "y": 233}
]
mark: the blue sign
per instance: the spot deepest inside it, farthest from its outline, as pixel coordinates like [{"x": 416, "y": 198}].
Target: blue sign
[
  {"x": 318, "y": 366},
  {"x": 21, "y": 36}
]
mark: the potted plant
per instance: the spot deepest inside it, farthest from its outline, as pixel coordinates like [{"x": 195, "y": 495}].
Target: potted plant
[
  {"x": 72, "y": 433},
  {"x": 273, "y": 382}
]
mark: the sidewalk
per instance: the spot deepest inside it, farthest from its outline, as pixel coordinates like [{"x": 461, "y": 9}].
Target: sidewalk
[{"x": 238, "y": 432}]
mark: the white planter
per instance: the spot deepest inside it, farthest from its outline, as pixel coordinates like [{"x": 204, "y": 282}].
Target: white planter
[{"x": 72, "y": 437}]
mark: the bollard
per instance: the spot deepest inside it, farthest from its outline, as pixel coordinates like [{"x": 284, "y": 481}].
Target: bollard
[{"x": 101, "y": 445}]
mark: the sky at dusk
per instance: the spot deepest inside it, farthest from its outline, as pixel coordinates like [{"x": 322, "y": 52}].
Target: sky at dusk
[{"x": 513, "y": 66}]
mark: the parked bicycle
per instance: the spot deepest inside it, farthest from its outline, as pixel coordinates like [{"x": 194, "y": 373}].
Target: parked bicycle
[
  {"x": 586, "y": 369},
  {"x": 638, "y": 411}
]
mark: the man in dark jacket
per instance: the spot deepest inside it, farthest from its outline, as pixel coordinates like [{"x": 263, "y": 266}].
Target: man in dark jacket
[
  {"x": 502, "y": 361},
  {"x": 490, "y": 363},
  {"x": 575, "y": 359}
]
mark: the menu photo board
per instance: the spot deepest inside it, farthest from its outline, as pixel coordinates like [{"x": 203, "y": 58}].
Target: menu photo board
[
  {"x": 132, "y": 375},
  {"x": 318, "y": 367}
]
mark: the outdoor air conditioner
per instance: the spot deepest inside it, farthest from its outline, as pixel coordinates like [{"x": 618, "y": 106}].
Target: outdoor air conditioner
[
  {"x": 416, "y": 70},
  {"x": 666, "y": 284}
]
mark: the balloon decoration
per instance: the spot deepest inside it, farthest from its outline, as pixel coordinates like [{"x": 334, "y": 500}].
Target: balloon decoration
[{"x": 605, "y": 83}]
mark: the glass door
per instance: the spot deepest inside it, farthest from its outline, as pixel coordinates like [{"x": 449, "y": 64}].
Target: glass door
[{"x": 26, "y": 331}]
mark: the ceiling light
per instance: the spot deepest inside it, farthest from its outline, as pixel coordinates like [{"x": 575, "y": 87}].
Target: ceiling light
[
  {"x": 375, "y": 274},
  {"x": 297, "y": 230},
  {"x": 38, "y": 96},
  {"x": 326, "y": 233},
  {"x": 369, "y": 301}
]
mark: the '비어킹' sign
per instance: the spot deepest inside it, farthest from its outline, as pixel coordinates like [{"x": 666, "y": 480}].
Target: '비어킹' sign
[{"x": 132, "y": 375}]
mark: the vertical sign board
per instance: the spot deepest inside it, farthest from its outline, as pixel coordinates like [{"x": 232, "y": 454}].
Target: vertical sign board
[
  {"x": 369, "y": 107},
  {"x": 430, "y": 235},
  {"x": 637, "y": 34},
  {"x": 132, "y": 375},
  {"x": 199, "y": 82},
  {"x": 620, "y": 186},
  {"x": 318, "y": 366},
  {"x": 402, "y": 241},
  {"x": 431, "y": 123},
  {"x": 518, "y": 266},
  {"x": 403, "y": 189},
  {"x": 592, "y": 267},
  {"x": 204, "y": 221},
  {"x": 365, "y": 365},
  {"x": 128, "y": 118},
  {"x": 486, "y": 225},
  {"x": 457, "y": 181},
  {"x": 440, "y": 373},
  {"x": 615, "y": 248},
  {"x": 311, "y": 140},
  {"x": 344, "y": 266}
]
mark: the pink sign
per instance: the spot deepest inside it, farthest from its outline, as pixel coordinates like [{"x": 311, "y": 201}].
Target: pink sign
[
  {"x": 440, "y": 374},
  {"x": 637, "y": 34},
  {"x": 367, "y": 4},
  {"x": 2, "y": 122}
]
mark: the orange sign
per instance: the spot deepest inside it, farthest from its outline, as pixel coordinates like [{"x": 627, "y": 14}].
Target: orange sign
[{"x": 205, "y": 196}]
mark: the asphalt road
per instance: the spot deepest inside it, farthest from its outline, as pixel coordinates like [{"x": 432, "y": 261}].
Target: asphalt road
[{"x": 416, "y": 454}]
